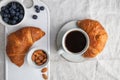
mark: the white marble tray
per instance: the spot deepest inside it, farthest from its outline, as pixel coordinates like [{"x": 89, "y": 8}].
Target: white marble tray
[{"x": 26, "y": 72}]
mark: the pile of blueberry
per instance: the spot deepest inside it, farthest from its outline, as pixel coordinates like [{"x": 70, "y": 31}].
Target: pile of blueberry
[
  {"x": 12, "y": 13},
  {"x": 37, "y": 10}
]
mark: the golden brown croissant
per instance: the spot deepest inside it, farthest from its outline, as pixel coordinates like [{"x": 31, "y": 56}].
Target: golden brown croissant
[
  {"x": 19, "y": 42},
  {"x": 97, "y": 35}
]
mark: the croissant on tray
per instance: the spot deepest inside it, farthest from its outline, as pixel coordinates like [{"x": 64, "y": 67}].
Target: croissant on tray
[{"x": 19, "y": 42}]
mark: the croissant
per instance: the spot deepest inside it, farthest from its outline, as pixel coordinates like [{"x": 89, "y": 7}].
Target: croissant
[
  {"x": 97, "y": 34},
  {"x": 19, "y": 42}
]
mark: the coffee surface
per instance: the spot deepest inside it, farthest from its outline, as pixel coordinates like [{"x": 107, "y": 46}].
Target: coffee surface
[{"x": 75, "y": 41}]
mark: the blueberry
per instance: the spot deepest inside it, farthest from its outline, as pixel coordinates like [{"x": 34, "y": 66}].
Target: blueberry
[
  {"x": 15, "y": 18},
  {"x": 17, "y": 9},
  {"x": 10, "y": 8},
  {"x": 18, "y": 5},
  {"x": 42, "y": 8},
  {"x": 37, "y": 10},
  {"x": 34, "y": 16},
  {"x": 6, "y": 19},
  {"x": 3, "y": 8},
  {"x": 1, "y": 13},
  {"x": 8, "y": 15},
  {"x": 21, "y": 11},
  {"x": 13, "y": 22},
  {"x": 5, "y": 15},
  {"x": 14, "y": 6},
  {"x": 6, "y": 11},
  {"x": 12, "y": 3},
  {"x": 36, "y": 7},
  {"x": 21, "y": 16},
  {"x": 10, "y": 22},
  {"x": 17, "y": 14},
  {"x": 12, "y": 12}
]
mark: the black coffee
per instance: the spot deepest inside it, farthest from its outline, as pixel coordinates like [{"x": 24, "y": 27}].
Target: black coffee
[{"x": 75, "y": 41}]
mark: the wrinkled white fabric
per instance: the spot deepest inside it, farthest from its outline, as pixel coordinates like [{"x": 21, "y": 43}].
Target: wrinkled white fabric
[{"x": 107, "y": 12}]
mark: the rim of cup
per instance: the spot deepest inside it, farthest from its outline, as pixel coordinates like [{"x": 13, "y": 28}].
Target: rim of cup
[
  {"x": 31, "y": 63},
  {"x": 86, "y": 36},
  {"x": 8, "y": 1}
]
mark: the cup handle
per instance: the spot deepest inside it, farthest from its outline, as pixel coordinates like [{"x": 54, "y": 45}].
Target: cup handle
[{"x": 60, "y": 51}]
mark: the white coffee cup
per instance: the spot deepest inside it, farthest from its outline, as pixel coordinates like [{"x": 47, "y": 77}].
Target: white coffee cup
[{"x": 64, "y": 51}]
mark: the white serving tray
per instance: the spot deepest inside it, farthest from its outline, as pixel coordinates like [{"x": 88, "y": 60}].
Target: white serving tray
[{"x": 26, "y": 72}]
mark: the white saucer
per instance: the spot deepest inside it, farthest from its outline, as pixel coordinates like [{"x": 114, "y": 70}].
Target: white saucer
[{"x": 71, "y": 58}]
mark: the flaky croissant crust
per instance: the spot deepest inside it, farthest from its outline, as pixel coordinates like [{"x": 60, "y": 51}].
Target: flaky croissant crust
[
  {"x": 19, "y": 42},
  {"x": 97, "y": 34}
]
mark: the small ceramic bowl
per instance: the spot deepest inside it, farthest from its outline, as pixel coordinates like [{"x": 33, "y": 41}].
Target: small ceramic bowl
[
  {"x": 4, "y": 3},
  {"x": 32, "y": 63}
]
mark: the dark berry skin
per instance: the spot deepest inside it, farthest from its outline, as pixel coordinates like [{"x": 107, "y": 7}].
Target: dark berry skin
[
  {"x": 12, "y": 12},
  {"x": 21, "y": 11},
  {"x": 34, "y": 16},
  {"x": 1, "y": 13},
  {"x": 21, "y": 16},
  {"x": 17, "y": 10},
  {"x": 6, "y": 11},
  {"x": 9, "y": 15},
  {"x": 6, "y": 19},
  {"x": 37, "y": 10},
  {"x": 36, "y": 7},
  {"x": 3, "y": 8},
  {"x": 16, "y": 18},
  {"x": 42, "y": 8},
  {"x": 14, "y": 22},
  {"x": 17, "y": 14},
  {"x": 5, "y": 15},
  {"x": 14, "y": 6}
]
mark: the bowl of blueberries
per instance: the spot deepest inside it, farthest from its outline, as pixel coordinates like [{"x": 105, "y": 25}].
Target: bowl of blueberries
[{"x": 11, "y": 13}]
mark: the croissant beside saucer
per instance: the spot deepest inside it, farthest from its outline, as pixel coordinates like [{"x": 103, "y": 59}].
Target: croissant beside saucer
[
  {"x": 19, "y": 42},
  {"x": 97, "y": 34}
]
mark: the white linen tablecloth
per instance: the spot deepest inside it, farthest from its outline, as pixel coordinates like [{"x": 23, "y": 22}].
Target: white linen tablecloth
[{"x": 107, "y": 12}]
